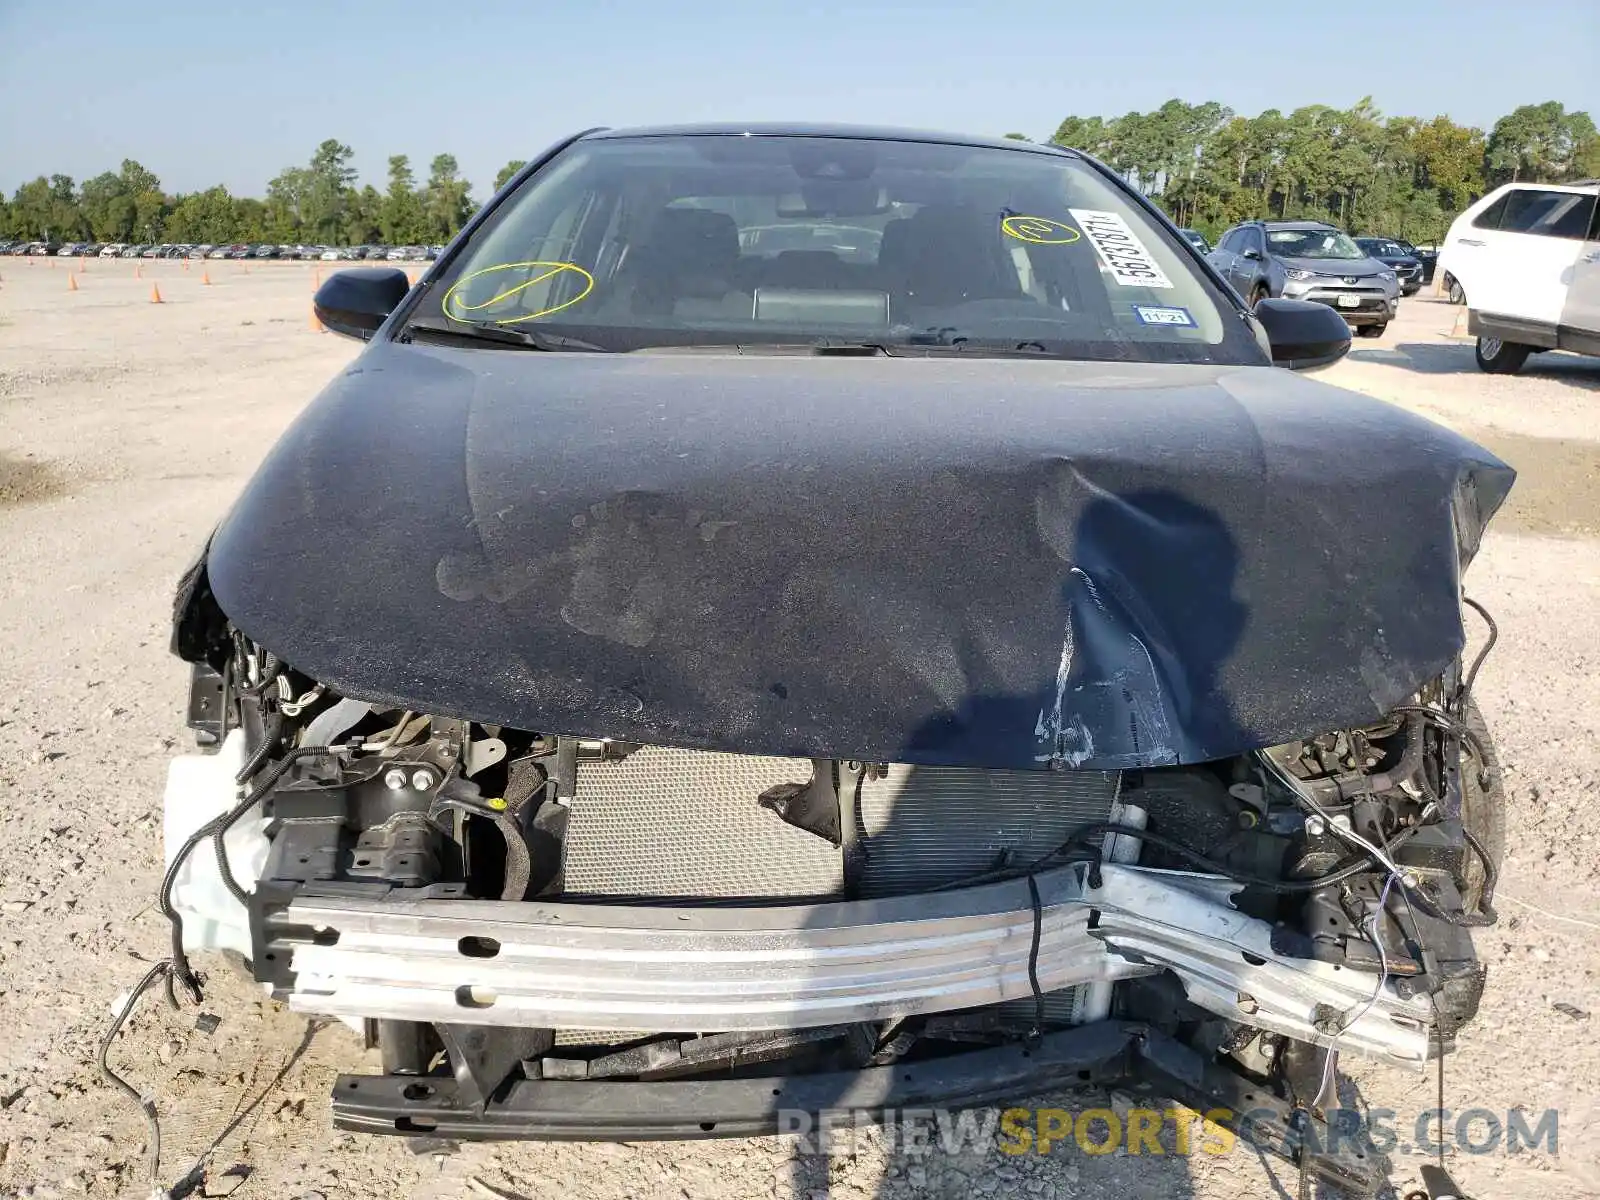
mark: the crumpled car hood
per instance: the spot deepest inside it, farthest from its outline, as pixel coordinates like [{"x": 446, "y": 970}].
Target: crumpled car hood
[{"x": 962, "y": 562}]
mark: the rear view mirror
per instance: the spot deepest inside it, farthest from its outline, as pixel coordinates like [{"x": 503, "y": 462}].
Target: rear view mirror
[
  {"x": 835, "y": 198},
  {"x": 1303, "y": 335},
  {"x": 356, "y": 302}
]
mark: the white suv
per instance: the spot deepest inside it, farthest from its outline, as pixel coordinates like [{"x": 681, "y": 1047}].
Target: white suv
[{"x": 1527, "y": 258}]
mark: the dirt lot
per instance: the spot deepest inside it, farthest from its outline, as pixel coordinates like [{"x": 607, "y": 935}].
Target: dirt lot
[{"x": 125, "y": 430}]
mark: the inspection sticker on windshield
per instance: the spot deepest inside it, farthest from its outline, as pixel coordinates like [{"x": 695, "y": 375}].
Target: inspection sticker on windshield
[
  {"x": 1120, "y": 249},
  {"x": 1151, "y": 315}
]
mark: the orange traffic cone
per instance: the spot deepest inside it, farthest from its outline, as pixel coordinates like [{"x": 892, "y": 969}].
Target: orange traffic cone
[
  {"x": 1459, "y": 329},
  {"x": 315, "y": 325},
  {"x": 138, "y": 271},
  {"x": 83, "y": 265},
  {"x": 72, "y": 283},
  {"x": 186, "y": 264},
  {"x": 316, "y": 278},
  {"x": 155, "y": 294},
  {"x": 205, "y": 278}
]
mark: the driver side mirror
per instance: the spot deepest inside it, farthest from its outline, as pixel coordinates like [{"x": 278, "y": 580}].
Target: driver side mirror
[
  {"x": 1303, "y": 335},
  {"x": 357, "y": 301},
  {"x": 1251, "y": 253}
]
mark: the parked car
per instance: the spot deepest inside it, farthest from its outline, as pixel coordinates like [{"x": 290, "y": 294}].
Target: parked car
[
  {"x": 1406, "y": 266},
  {"x": 111, "y": 250},
  {"x": 889, "y": 693},
  {"x": 1428, "y": 256},
  {"x": 1197, "y": 240},
  {"x": 264, "y": 250},
  {"x": 1525, "y": 260},
  {"x": 1309, "y": 260}
]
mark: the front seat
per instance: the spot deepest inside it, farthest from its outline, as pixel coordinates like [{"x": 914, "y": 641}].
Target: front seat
[
  {"x": 945, "y": 255},
  {"x": 685, "y": 267}
]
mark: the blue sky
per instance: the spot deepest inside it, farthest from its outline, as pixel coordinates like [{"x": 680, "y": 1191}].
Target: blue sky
[{"x": 206, "y": 91}]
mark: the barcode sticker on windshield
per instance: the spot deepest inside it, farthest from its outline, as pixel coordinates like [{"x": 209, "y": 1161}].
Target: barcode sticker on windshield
[{"x": 1120, "y": 249}]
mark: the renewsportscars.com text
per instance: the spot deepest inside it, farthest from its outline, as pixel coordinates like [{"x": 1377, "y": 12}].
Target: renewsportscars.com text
[{"x": 1169, "y": 1131}]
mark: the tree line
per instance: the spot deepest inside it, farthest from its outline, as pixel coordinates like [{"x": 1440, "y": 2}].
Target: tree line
[
  {"x": 1369, "y": 174},
  {"x": 1206, "y": 165},
  {"x": 319, "y": 203}
]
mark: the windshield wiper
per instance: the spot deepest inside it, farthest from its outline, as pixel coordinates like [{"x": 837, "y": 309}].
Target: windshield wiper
[
  {"x": 941, "y": 342},
  {"x": 485, "y": 331},
  {"x": 845, "y": 349}
]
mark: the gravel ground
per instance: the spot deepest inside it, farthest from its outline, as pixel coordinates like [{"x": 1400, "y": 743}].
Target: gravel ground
[{"x": 125, "y": 430}]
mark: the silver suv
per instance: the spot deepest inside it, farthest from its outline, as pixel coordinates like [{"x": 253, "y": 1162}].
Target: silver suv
[{"x": 1308, "y": 260}]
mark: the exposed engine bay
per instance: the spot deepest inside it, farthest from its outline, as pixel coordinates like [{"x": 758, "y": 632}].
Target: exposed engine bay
[{"x": 517, "y": 918}]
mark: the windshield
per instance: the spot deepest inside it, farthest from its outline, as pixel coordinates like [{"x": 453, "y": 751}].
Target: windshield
[
  {"x": 1313, "y": 243},
  {"x": 629, "y": 243}
]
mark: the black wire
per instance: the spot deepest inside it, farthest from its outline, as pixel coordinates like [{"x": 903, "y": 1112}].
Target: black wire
[
  {"x": 1457, "y": 729},
  {"x": 270, "y": 670},
  {"x": 218, "y": 826},
  {"x": 269, "y": 739},
  {"x": 1438, "y": 1025},
  {"x": 1491, "y": 877},
  {"x": 1462, "y": 920},
  {"x": 1003, "y": 874},
  {"x": 1033, "y": 961},
  {"x": 1354, "y": 866},
  {"x": 1464, "y": 692},
  {"x": 230, "y": 818},
  {"x": 146, "y": 1106},
  {"x": 227, "y": 698},
  {"x": 1094, "y": 854}
]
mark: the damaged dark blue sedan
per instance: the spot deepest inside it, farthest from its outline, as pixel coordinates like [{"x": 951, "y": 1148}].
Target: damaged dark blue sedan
[{"x": 802, "y": 618}]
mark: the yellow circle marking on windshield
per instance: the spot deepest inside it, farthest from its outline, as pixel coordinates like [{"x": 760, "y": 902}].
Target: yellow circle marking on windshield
[
  {"x": 1042, "y": 231},
  {"x": 461, "y": 307}
]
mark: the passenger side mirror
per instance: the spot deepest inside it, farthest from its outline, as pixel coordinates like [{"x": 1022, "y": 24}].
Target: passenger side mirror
[
  {"x": 1252, "y": 253},
  {"x": 1303, "y": 335},
  {"x": 356, "y": 302}
]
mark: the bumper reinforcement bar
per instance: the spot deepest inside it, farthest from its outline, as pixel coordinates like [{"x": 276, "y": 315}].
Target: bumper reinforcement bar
[{"x": 733, "y": 968}]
